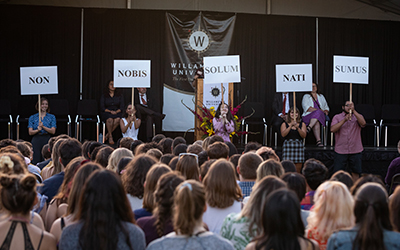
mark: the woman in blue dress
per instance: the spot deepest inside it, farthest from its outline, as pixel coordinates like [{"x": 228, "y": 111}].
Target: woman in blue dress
[{"x": 41, "y": 130}]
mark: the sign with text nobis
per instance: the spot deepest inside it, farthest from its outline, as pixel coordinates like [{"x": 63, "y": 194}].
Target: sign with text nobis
[
  {"x": 132, "y": 73},
  {"x": 39, "y": 80},
  {"x": 219, "y": 69},
  {"x": 293, "y": 78},
  {"x": 350, "y": 69}
]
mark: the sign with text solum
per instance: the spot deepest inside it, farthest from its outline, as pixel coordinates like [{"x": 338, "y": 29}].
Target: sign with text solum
[
  {"x": 219, "y": 69},
  {"x": 39, "y": 80},
  {"x": 350, "y": 69},
  {"x": 293, "y": 78},
  {"x": 132, "y": 73}
]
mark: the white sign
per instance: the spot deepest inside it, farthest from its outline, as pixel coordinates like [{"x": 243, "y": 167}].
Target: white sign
[
  {"x": 219, "y": 69},
  {"x": 39, "y": 80},
  {"x": 132, "y": 73},
  {"x": 212, "y": 95},
  {"x": 350, "y": 69},
  {"x": 294, "y": 78}
]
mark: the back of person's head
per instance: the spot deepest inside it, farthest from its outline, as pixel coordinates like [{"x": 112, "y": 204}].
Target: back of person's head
[
  {"x": 181, "y": 148},
  {"x": 254, "y": 208},
  {"x": 248, "y": 164},
  {"x": 288, "y": 166},
  {"x": 92, "y": 147},
  {"x": 297, "y": 183},
  {"x": 69, "y": 149},
  {"x": 24, "y": 149},
  {"x": 55, "y": 156},
  {"x": 85, "y": 149},
  {"x": 220, "y": 184},
  {"x": 78, "y": 182},
  {"x": 166, "y": 158},
  {"x": 103, "y": 155},
  {"x": 372, "y": 216},
  {"x": 206, "y": 143},
  {"x": 315, "y": 173},
  {"x": 194, "y": 149},
  {"x": 203, "y": 157},
  {"x": 52, "y": 140},
  {"x": 144, "y": 147},
  {"x": 189, "y": 204},
  {"x": 70, "y": 171},
  {"x": 164, "y": 198},
  {"x": 122, "y": 164},
  {"x": 173, "y": 162},
  {"x": 166, "y": 145},
  {"x": 7, "y": 142},
  {"x": 134, "y": 145},
  {"x": 333, "y": 209},
  {"x": 155, "y": 152},
  {"x": 158, "y": 137},
  {"x": 269, "y": 167},
  {"x": 366, "y": 179},
  {"x": 281, "y": 221},
  {"x": 178, "y": 140},
  {"x": 116, "y": 156},
  {"x": 46, "y": 152},
  {"x": 232, "y": 148},
  {"x": 135, "y": 175},
  {"x": 152, "y": 177},
  {"x": 394, "y": 208},
  {"x": 267, "y": 153},
  {"x": 11, "y": 163},
  {"x": 215, "y": 138},
  {"x": 218, "y": 150},
  {"x": 251, "y": 146},
  {"x": 188, "y": 166},
  {"x": 343, "y": 177},
  {"x": 126, "y": 142},
  {"x": 205, "y": 167},
  {"x": 199, "y": 142},
  {"x": 103, "y": 208},
  {"x": 235, "y": 159},
  {"x": 18, "y": 193}
]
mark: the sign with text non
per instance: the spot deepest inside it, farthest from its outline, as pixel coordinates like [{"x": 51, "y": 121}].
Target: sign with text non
[
  {"x": 39, "y": 80},
  {"x": 293, "y": 78},
  {"x": 132, "y": 73},
  {"x": 350, "y": 69},
  {"x": 219, "y": 69}
]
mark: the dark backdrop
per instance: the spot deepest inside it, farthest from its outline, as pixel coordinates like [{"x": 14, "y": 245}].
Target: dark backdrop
[{"x": 51, "y": 36}]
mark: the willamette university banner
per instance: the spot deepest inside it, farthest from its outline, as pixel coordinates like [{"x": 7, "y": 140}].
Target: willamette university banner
[{"x": 189, "y": 38}]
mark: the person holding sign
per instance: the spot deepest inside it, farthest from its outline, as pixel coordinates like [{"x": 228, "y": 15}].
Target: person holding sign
[
  {"x": 41, "y": 128},
  {"x": 111, "y": 104},
  {"x": 315, "y": 111},
  {"x": 130, "y": 123},
  {"x": 293, "y": 130},
  {"x": 348, "y": 146},
  {"x": 223, "y": 122}
]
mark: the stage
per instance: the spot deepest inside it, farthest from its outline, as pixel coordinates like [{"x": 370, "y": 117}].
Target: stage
[{"x": 374, "y": 160}]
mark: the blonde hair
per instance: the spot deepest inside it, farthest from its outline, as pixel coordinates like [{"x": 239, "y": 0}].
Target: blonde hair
[
  {"x": 269, "y": 167},
  {"x": 116, "y": 156},
  {"x": 333, "y": 209},
  {"x": 189, "y": 203},
  {"x": 221, "y": 186}
]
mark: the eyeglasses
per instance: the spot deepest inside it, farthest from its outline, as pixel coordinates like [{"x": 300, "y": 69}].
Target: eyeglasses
[{"x": 190, "y": 154}]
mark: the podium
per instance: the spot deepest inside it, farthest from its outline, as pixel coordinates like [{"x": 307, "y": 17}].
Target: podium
[{"x": 198, "y": 134}]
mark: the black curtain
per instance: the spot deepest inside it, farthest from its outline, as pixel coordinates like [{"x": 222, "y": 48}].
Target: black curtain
[{"x": 38, "y": 36}]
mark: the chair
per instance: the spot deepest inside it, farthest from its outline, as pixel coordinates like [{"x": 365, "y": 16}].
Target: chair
[
  {"x": 368, "y": 111},
  {"x": 60, "y": 108},
  {"x": 87, "y": 111},
  {"x": 5, "y": 115},
  {"x": 26, "y": 108},
  {"x": 395, "y": 181},
  {"x": 256, "y": 118},
  {"x": 390, "y": 118}
]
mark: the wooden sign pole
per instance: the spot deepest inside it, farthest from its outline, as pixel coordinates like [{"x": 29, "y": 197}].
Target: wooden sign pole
[
  {"x": 351, "y": 99},
  {"x": 294, "y": 105},
  {"x": 40, "y": 108},
  {"x": 222, "y": 93}
]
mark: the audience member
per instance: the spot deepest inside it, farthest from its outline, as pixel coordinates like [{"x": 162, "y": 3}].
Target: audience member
[
  {"x": 288, "y": 166},
  {"x": 122, "y": 164},
  {"x": 251, "y": 147},
  {"x": 155, "y": 153},
  {"x": 144, "y": 147},
  {"x": 206, "y": 143},
  {"x": 188, "y": 166},
  {"x": 267, "y": 153},
  {"x": 166, "y": 158},
  {"x": 158, "y": 137},
  {"x": 115, "y": 158},
  {"x": 232, "y": 148},
  {"x": 365, "y": 179},
  {"x": 174, "y": 161},
  {"x": 205, "y": 167},
  {"x": 393, "y": 169},
  {"x": 269, "y": 167},
  {"x": 343, "y": 177},
  {"x": 126, "y": 142},
  {"x": 194, "y": 149},
  {"x": 394, "y": 208},
  {"x": 179, "y": 149},
  {"x": 315, "y": 173},
  {"x": 103, "y": 155},
  {"x": 166, "y": 145},
  {"x": 218, "y": 150},
  {"x": 178, "y": 140},
  {"x": 214, "y": 139},
  {"x": 134, "y": 145},
  {"x": 203, "y": 157},
  {"x": 247, "y": 170}
]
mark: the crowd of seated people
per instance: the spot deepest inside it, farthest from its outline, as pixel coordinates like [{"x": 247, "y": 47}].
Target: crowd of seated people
[{"x": 167, "y": 194}]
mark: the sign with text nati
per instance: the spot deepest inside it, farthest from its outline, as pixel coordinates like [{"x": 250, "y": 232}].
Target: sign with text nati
[
  {"x": 219, "y": 69},
  {"x": 132, "y": 73},
  {"x": 293, "y": 78},
  {"x": 39, "y": 80},
  {"x": 350, "y": 69}
]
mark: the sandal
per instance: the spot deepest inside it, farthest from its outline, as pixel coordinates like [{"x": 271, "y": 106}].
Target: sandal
[
  {"x": 319, "y": 144},
  {"x": 309, "y": 130}
]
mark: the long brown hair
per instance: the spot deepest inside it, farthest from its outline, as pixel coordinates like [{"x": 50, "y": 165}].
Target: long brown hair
[
  {"x": 152, "y": 177},
  {"x": 220, "y": 185},
  {"x": 135, "y": 175},
  {"x": 289, "y": 119},
  {"x": 187, "y": 165}
]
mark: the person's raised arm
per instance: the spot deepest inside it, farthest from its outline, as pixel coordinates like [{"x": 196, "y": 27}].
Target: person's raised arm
[
  {"x": 360, "y": 119},
  {"x": 337, "y": 126}
]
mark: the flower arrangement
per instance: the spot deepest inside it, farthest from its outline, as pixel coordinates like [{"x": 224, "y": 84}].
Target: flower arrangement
[{"x": 206, "y": 117}]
